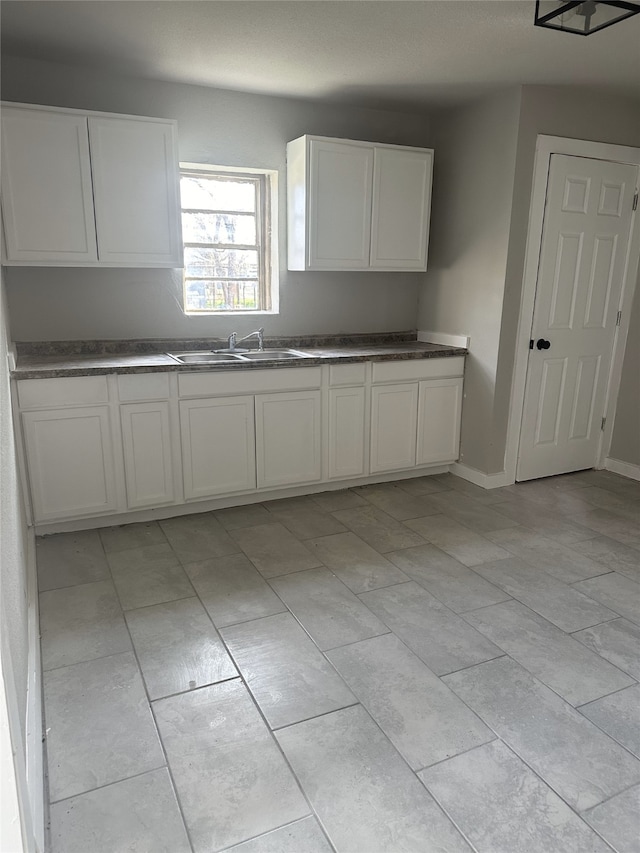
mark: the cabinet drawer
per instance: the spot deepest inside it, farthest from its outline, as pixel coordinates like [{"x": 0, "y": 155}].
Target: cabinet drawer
[
  {"x": 67, "y": 391},
  {"x": 421, "y": 368},
  {"x": 248, "y": 382},
  {"x": 144, "y": 386},
  {"x": 347, "y": 374}
]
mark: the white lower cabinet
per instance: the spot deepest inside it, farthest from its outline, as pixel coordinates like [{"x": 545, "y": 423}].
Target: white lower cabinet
[
  {"x": 394, "y": 411},
  {"x": 146, "y": 445},
  {"x": 288, "y": 450},
  {"x": 346, "y": 432},
  {"x": 70, "y": 461},
  {"x": 218, "y": 446},
  {"x": 439, "y": 409}
]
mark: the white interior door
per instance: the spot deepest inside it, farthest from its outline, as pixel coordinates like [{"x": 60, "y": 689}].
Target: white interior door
[{"x": 585, "y": 239}]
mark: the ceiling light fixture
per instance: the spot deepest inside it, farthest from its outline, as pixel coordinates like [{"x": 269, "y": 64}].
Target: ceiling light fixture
[{"x": 583, "y": 16}]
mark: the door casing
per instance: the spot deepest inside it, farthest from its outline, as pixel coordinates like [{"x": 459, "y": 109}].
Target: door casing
[{"x": 545, "y": 147}]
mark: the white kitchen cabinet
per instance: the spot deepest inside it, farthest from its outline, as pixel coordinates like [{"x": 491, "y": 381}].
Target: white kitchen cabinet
[
  {"x": 146, "y": 445},
  {"x": 89, "y": 189},
  {"x": 47, "y": 202},
  {"x": 394, "y": 412},
  {"x": 346, "y": 432},
  {"x": 70, "y": 461},
  {"x": 288, "y": 450},
  {"x": 439, "y": 411},
  {"x": 357, "y": 205},
  {"x": 218, "y": 446}
]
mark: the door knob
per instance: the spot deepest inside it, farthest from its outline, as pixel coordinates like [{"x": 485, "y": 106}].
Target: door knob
[{"x": 542, "y": 344}]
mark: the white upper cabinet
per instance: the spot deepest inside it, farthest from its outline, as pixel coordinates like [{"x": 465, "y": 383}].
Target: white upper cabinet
[
  {"x": 357, "y": 205},
  {"x": 89, "y": 189}
]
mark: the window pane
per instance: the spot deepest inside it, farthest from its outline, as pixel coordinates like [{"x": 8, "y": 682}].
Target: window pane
[
  {"x": 218, "y": 194},
  {"x": 220, "y": 263},
  {"x": 207, "y": 295},
  {"x": 218, "y": 228}
]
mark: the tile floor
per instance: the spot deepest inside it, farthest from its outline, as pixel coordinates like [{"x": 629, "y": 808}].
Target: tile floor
[{"x": 413, "y": 666}]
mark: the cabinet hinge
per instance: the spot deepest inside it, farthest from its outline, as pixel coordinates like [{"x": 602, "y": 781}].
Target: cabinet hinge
[
  {"x": 602, "y": 423},
  {"x": 618, "y": 318},
  {"x": 635, "y": 201}
]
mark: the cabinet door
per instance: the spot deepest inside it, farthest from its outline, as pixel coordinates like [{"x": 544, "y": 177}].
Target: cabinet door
[
  {"x": 339, "y": 214},
  {"x": 394, "y": 410},
  {"x": 288, "y": 450},
  {"x": 47, "y": 204},
  {"x": 146, "y": 441},
  {"x": 218, "y": 446},
  {"x": 401, "y": 208},
  {"x": 70, "y": 462},
  {"x": 135, "y": 183},
  {"x": 346, "y": 432},
  {"x": 439, "y": 410}
]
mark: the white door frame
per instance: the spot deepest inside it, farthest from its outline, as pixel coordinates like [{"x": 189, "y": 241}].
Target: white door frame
[{"x": 545, "y": 147}]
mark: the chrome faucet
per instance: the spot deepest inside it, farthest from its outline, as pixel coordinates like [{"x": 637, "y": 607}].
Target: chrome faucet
[{"x": 232, "y": 340}]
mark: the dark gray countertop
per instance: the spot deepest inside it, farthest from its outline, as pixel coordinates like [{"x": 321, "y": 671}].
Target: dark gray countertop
[{"x": 53, "y": 365}]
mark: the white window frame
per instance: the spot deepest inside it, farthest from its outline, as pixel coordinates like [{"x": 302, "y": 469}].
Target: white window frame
[{"x": 268, "y": 242}]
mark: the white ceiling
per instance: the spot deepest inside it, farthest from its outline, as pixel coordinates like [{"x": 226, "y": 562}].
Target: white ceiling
[{"x": 387, "y": 54}]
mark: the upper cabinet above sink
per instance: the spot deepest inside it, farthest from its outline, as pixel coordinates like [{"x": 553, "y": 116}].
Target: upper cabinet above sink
[
  {"x": 357, "y": 205},
  {"x": 89, "y": 189}
]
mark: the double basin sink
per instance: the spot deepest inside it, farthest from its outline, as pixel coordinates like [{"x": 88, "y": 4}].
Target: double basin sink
[{"x": 238, "y": 355}]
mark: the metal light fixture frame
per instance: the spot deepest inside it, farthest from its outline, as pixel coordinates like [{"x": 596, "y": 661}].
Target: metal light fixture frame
[{"x": 543, "y": 20}]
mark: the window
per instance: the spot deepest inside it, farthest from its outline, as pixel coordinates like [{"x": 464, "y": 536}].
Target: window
[{"x": 226, "y": 233}]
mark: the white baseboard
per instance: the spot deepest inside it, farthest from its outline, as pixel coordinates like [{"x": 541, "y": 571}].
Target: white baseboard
[
  {"x": 444, "y": 339},
  {"x": 479, "y": 478},
  {"x": 627, "y": 469}
]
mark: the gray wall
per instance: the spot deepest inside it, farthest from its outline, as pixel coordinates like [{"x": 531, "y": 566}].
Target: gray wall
[
  {"x": 224, "y": 128},
  {"x": 475, "y": 156}
]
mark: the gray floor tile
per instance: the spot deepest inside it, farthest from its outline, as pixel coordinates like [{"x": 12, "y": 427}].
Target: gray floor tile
[
  {"x": 443, "y": 640},
  {"x": 556, "y": 559},
  {"x": 305, "y": 522},
  {"x": 378, "y": 529},
  {"x": 148, "y": 575},
  {"x": 615, "y": 591},
  {"x": 612, "y": 482},
  {"x": 80, "y": 623},
  {"x": 67, "y": 559},
  {"x": 608, "y": 523},
  {"x": 355, "y": 563},
  {"x": 619, "y": 716},
  {"x": 613, "y": 556},
  {"x": 274, "y": 550},
  {"x": 127, "y": 536},
  {"x": 470, "y": 512},
  {"x": 583, "y": 765},
  {"x": 617, "y": 641},
  {"x": 604, "y": 498},
  {"x": 559, "y": 661},
  {"x": 232, "y": 590},
  {"x": 423, "y": 718},
  {"x": 287, "y": 675},
  {"x": 178, "y": 648},
  {"x": 503, "y": 807},
  {"x": 341, "y": 499},
  {"x": 231, "y": 779},
  {"x": 365, "y": 795},
  {"x": 546, "y": 521},
  {"x": 303, "y": 836},
  {"x": 99, "y": 725},
  {"x": 447, "y": 579},
  {"x": 235, "y": 517},
  {"x": 428, "y": 485},
  {"x": 563, "y": 605},
  {"x": 458, "y": 541},
  {"x": 396, "y": 502},
  {"x": 198, "y": 537},
  {"x": 136, "y": 814},
  {"x": 618, "y": 820},
  {"x": 330, "y": 613}
]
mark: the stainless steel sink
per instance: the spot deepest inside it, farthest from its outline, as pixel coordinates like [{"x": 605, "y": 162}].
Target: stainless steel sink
[
  {"x": 273, "y": 355},
  {"x": 204, "y": 357}
]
